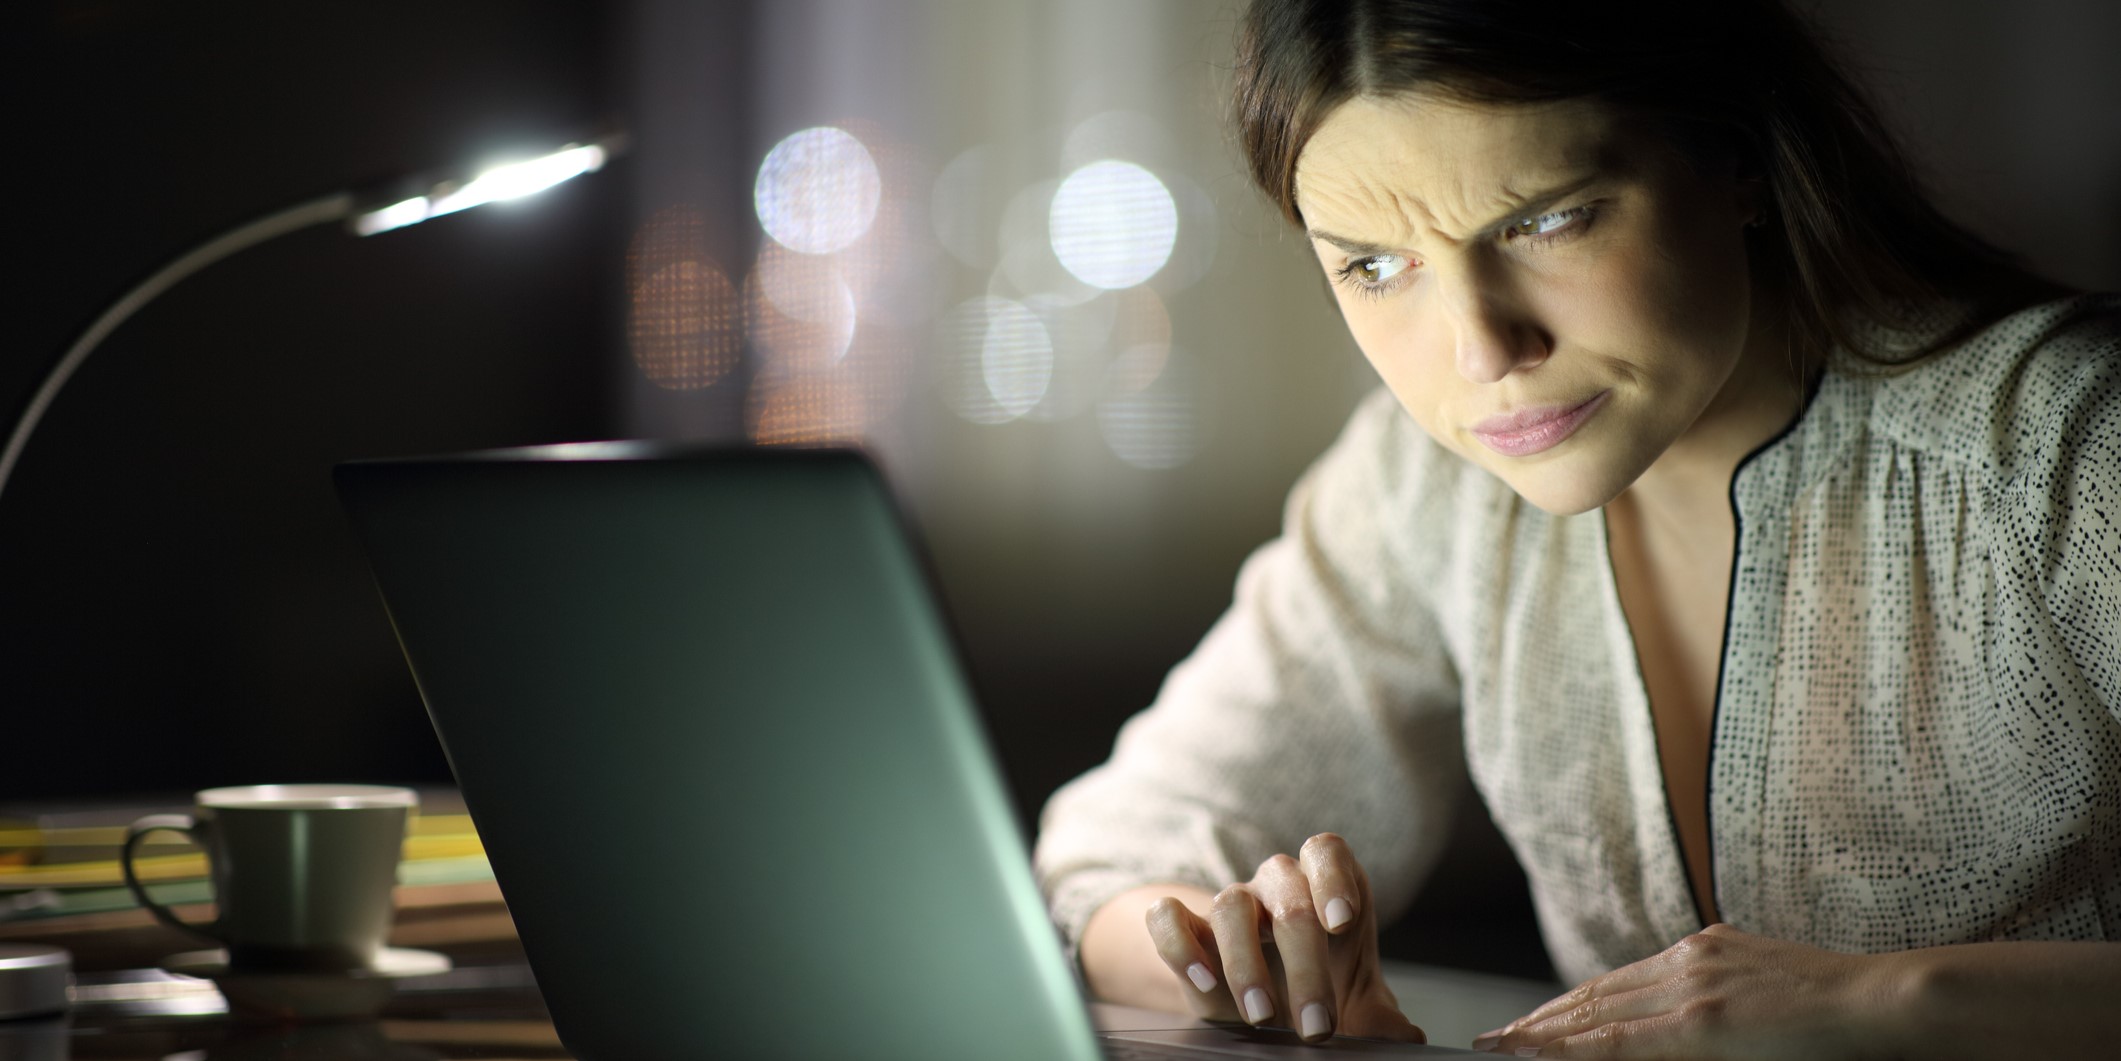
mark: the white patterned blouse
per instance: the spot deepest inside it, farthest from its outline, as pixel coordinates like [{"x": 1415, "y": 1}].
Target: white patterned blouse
[{"x": 1918, "y": 728}]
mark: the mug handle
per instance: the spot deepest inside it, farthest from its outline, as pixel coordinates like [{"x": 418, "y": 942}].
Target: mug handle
[{"x": 180, "y": 823}]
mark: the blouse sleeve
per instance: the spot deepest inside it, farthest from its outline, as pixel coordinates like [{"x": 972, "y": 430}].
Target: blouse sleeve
[
  {"x": 2060, "y": 510},
  {"x": 1322, "y": 700}
]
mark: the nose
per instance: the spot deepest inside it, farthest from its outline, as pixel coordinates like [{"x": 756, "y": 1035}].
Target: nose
[{"x": 1492, "y": 335}]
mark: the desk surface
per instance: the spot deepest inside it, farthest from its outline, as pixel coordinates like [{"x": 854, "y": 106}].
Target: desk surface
[{"x": 488, "y": 1006}]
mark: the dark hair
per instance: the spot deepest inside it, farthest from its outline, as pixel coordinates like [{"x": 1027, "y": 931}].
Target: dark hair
[{"x": 1850, "y": 237}]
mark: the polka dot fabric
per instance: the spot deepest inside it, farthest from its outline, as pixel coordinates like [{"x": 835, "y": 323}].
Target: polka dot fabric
[{"x": 1918, "y": 736}]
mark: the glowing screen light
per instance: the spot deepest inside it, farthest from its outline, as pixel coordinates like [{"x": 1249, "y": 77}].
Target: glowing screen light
[
  {"x": 1001, "y": 359},
  {"x": 817, "y": 191},
  {"x": 1113, "y": 224}
]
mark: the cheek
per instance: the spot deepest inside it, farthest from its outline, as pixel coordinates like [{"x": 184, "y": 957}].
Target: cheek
[
  {"x": 1664, "y": 315},
  {"x": 1696, "y": 292},
  {"x": 1409, "y": 351}
]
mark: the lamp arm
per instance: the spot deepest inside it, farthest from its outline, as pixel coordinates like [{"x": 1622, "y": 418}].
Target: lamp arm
[{"x": 336, "y": 207}]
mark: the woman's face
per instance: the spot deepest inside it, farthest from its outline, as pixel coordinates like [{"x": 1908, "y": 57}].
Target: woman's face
[{"x": 1551, "y": 295}]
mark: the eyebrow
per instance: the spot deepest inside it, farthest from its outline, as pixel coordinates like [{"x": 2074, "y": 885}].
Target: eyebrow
[{"x": 1536, "y": 202}]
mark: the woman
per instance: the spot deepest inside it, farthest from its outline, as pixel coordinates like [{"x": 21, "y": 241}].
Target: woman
[{"x": 1747, "y": 529}]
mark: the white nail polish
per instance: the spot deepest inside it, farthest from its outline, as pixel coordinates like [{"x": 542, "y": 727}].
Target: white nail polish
[
  {"x": 1201, "y": 977},
  {"x": 1338, "y": 913},
  {"x": 1315, "y": 1022},
  {"x": 1257, "y": 1006}
]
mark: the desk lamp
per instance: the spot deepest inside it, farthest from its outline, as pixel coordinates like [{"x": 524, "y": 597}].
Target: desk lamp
[{"x": 365, "y": 214}]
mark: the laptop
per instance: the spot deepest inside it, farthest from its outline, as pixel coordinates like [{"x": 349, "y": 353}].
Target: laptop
[{"x": 708, "y": 719}]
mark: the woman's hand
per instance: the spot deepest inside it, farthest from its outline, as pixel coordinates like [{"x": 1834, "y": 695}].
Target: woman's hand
[
  {"x": 1295, "y": 946},
  {"x": 1718, "y": 993}
]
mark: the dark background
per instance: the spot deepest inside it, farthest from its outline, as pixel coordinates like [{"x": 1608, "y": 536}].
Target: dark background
[{"x": 180, "y": 602}]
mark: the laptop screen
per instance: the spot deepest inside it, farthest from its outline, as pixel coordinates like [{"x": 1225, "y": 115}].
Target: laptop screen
[{"x": 709, "y": 722}]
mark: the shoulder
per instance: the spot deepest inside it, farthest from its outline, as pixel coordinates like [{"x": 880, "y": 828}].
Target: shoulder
[{"x": 2018, "y": 396}]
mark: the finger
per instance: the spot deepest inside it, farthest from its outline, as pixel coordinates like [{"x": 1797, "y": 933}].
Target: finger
[
  {"x": 1656, "y": 969},
  {"x": 1665, "y": 1035},
  {"x": 1562, "y": 1003},
  {"x": 1377, "y": 1016},
  {"x": 1235, "y": 918},
  {"x": 1650, "y": 970},
  {"x": 1671, "y": 993},
  {"x": 1368, "y": 1008},
  {"x": 1332, "y": 871},
  {"x": 1593, "y": 1014},
  {"x": 1186, "y": 943},
  {"x": 1301, "y": 940}
]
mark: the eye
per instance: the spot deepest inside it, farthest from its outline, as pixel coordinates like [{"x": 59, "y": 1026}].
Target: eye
[
  {"x": 1548, "y": 226},
  {"x": 1374, "y": 271}
]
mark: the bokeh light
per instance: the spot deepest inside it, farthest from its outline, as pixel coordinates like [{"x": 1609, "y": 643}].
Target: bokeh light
[
  {"x": 1137, "y": 368},
  {"x": 965, "y": 207},
  {"x": 787, "y": 407},
  {"x": 1028, "y": 265},
  {"x": 1113, "y": 224},
  {"x": 806, "y": 287},
  {"x": 684, "y": 328},
  {"x": 835, "y": 323},
  {"x": 894, "y": 270},
  {"x": 1140, "y": 318},
  {"x": 817, "y": 190},
  {"x": 1152, "y": 422},
  {"x": 1082, "y": 344},
  {"x": 1118, "y": 134},
  {"x": 1141, "y": 333},
  {"x": 998, "y": 359},
  {"x": 809, "y": 322},
  {"x": 1199, "y": 230},
  {"x": 685, "y": 319}
]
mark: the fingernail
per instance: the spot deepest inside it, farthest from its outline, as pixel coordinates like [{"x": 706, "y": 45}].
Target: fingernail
[
  {"x": 1257, "y": 1006},
  {"x": 1486, "y": 1040},
  {"x": 1201, "y": 977},
  {"x": 1528, "y": 1051},
  {"x": 1338, "y": 913},
  {"x": 1315, "y": 1022}
]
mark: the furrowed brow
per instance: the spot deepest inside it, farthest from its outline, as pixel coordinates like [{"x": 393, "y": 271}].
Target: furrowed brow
[
  {"x": 1352, "y": 246},
  {"x": 1531, "y": 206}
]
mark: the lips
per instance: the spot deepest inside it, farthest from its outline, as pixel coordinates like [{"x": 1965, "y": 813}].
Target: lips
[{"x": 1528, "y": 431}]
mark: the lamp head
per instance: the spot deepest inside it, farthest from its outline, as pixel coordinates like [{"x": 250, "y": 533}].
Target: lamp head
[{"x": 508, "y": 181}]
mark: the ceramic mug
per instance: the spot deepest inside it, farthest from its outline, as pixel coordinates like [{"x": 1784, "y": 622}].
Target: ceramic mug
[{"x": 302, "y": 874}]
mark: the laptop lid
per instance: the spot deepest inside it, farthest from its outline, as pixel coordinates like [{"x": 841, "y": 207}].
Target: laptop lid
[{"x": 711, "y": 727}]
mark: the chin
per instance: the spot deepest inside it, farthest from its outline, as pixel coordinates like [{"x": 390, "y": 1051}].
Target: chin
[{"x": 1562, "y": 490}]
